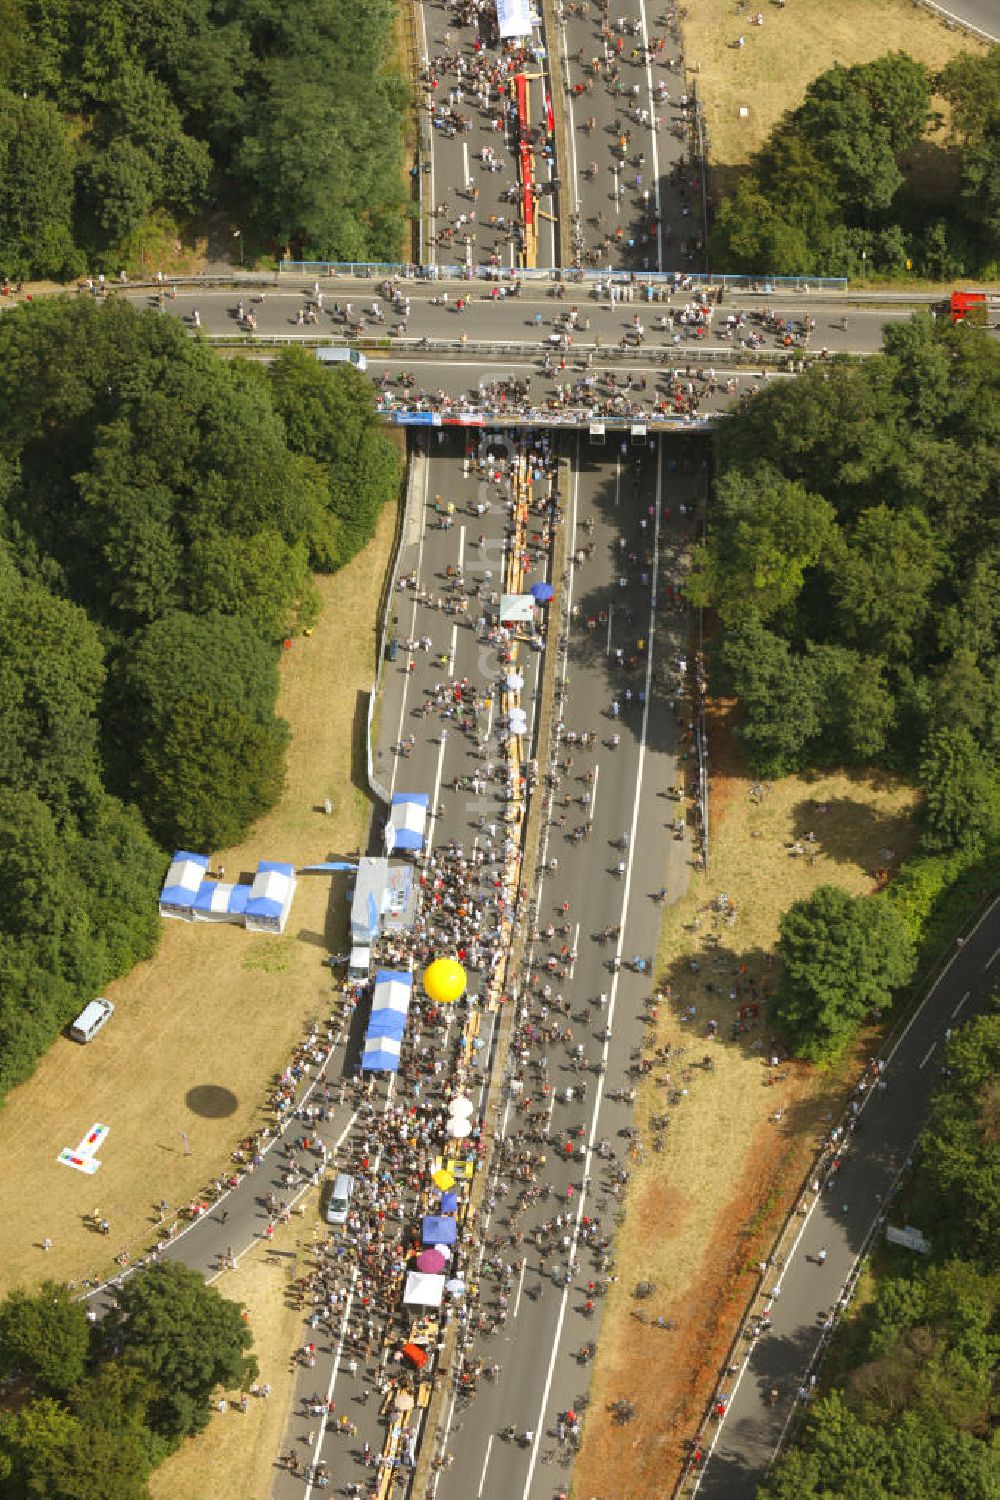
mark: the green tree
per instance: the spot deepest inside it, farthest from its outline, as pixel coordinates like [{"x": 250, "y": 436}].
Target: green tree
[
  {"x": 95, "y": 1461},
  {"x": 777, "y": 691},
  {"x": 767, "y": 532},
  {"x": 51, "y": 677},
  {"x": 854, "y": 703},
  {"x": 843, "y": 958},
  {"x": 212, "y": 770},
  {"x": 957, "y": 1192},
  {"x": 36, "y": 189},
  {"x": 970, "y": 81},
  {"x": 883, "y": 579},
  {"x": 186, "y": 1339},
  {"x": 121, "y": 187},
  {"x": 31, "y": 1439},
  {"x": 45, "y": 1336},
  {"x": 751, "y": 230},
  {"x": 960, "y": 792}
]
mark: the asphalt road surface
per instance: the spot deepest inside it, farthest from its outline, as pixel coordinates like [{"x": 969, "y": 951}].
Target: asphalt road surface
[
  {"x": 851, "y": 1199},
  {"x": 982, "y": 14}
]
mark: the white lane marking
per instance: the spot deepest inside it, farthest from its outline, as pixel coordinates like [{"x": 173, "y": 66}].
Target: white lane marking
[
  {"x": 611, "y": 610},
  {"x": 520, "y": 1285},
  {"x": 318, "y": 1445},
  {"x": 258, "y": 1239},
  {"x": 431, "y": 250},
  {"x": 486, "y": 1460},
  {"x": 928, "y": 1055},
  {"x": 413, "y": 618},
  {"x": 453, "y": 649},
  {"x": 991, "y": 958},
  {"x": 461, "y": 548},
  {"x": 652, "y": 136},
  {"x": 593, "y": 795},
  {"x": 968, "y": 938},
  {"x": 958, "y": 1007},
  {"x": 581, "y": 1197},
  {"x": 718, "y": 1428},
  {"x": 573, "y": 183},
  {"x": 429, "y": 842},
  {"x": 576, "y": 949}
]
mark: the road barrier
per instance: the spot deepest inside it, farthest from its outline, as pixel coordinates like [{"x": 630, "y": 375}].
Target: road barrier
[{"x": 764, "y": 283}]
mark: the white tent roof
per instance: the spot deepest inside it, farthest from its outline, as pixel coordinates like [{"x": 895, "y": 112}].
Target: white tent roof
[
  {"x": 514, "y": 17},
  {"x": 184, "y": 878},
  {"x": 407, "y": 821},
  {"x": 392, "y": 991},
  {"x": 272, "y": 891},
  {"x": 516, "y": 607},
  {"x": 423, "y": 1289}
]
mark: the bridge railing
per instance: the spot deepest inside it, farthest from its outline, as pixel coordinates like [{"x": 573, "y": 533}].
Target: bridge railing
[{"x": 764, "y": 284}]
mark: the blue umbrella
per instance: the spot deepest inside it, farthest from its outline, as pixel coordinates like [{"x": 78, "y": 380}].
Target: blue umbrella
[
  {"x": 541, "y": 592},
  {"x": 449, "y": 1203}
]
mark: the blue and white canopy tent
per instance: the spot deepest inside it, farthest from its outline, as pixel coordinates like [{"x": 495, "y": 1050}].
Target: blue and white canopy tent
[
  {"x": 381, "y": 1055},
  {"x": 407, "y": 822},
  {"x": 270, "y": 899},
  {"x": 216, "y": 902},
  {"x": 182, "y": 884}
]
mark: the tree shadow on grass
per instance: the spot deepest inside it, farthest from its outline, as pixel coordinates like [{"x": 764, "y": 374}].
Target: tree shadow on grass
[{"x": 850, "y": 832}]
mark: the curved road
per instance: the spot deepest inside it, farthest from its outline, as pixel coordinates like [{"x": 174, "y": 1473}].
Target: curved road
[{"x": 851, "y": 1201}]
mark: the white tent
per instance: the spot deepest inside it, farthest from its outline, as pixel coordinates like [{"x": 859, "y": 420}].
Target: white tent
[
  {"x": 458, "y": 1128},
  {"x": 514, "y": 17},
  {"x": 423, "y": 1290},
  {"x": 270, "y": 897},
  {"x": 461, "y": 1108},
  {"x": 183, "y": 882},
  {"x": 407, "y": 821},
  {"x": 516, "y": 608}
]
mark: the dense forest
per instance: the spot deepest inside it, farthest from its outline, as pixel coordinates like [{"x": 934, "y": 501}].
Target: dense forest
[
  {"x": 912, "y": 1415},
  {"x": 161, "y": 512},
  {"x": 864, "y": 177},
  {"x": 852, "y": 565},
  {"x": 124, "y": 122},
  {"x": 95, "y": 1409}
]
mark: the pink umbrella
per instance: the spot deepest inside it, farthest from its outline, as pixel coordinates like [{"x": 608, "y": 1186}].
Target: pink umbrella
[{"x": 431, "y": 1260}]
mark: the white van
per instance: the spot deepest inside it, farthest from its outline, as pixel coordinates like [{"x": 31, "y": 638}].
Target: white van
[
  {"x": 339, "y": 1201},
  {"x": 359, "y": 965},
  {"x": 90, "y": 1020}
]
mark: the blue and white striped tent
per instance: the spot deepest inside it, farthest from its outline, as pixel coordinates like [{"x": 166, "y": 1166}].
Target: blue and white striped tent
[
  {"x": 390, "y": 1003},
  {"x": 407, "y": 821},
  {"x": 216, "y": 902},
  {"x": 184, "y": 880},
  {"x": 381, "y": 1055},
  {"x": 393, "y": 991},
  {"x": 270, "y": 898}
]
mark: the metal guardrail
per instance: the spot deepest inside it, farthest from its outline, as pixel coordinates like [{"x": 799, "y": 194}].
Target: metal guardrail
[
  {"x": 758, "y": 282},
  {"x": 920, "y": 987}
]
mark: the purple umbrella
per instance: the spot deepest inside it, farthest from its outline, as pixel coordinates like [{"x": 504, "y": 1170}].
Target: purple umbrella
[{"x": 431, "y": 1260}]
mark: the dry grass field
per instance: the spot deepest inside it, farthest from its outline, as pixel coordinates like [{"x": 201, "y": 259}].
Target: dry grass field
[
  {"x": 769, "y": 74},
  {"x": 699, "y": 1215},
  {"x": 218, "y": 1010}
]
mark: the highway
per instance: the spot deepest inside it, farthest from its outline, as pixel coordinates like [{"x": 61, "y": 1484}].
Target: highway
[{"x": 851, "y": 1200}]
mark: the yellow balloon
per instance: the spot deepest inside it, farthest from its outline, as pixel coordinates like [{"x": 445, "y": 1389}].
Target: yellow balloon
[{"x": 444, "y": 980}]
